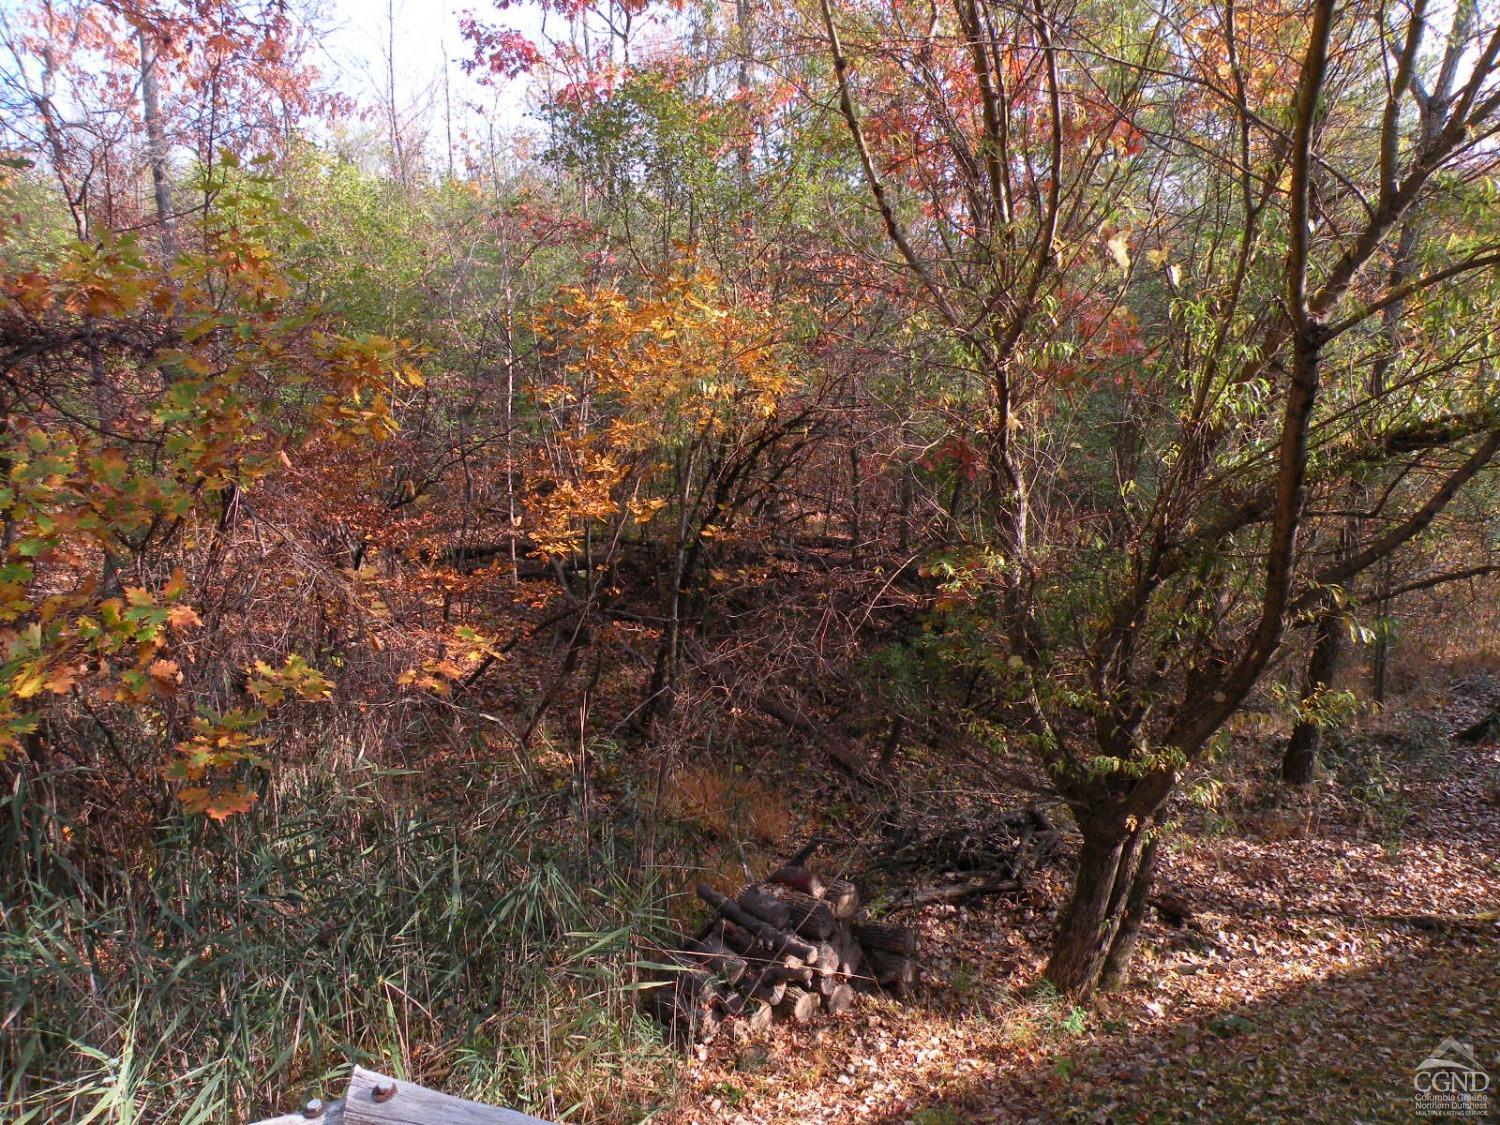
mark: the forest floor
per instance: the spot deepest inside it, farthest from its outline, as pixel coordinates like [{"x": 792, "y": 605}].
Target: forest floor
[{"x": 1337, "y": 940}]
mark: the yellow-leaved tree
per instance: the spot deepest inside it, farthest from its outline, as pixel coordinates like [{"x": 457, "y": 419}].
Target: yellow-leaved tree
[{"x": 660, "y": 415}]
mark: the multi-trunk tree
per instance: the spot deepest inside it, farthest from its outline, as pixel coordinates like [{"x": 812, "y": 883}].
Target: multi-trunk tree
[{"x": 1161, "y": 243}]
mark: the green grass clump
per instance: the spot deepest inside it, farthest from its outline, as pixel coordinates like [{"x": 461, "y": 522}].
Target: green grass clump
[{"x": 217, "y": 972}]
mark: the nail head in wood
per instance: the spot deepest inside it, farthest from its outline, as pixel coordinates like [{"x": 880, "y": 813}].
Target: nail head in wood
[{"x": 384, "y": 1090}]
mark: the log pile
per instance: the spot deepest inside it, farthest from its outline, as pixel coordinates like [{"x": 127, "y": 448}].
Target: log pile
[{"x": 787, "y": 948}]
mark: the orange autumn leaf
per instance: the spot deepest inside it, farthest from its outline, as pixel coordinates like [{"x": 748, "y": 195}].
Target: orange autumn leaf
[
  {"x": 165, "y": 675},
  {"x": 182, "y": 617},
  {"x": 217, "y": 804},
  {"x": 224, "y": 805},
  {"x": 61, "y": 679}
]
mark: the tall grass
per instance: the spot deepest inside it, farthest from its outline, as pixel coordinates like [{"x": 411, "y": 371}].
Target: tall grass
[{"x": 215, "y": 972}]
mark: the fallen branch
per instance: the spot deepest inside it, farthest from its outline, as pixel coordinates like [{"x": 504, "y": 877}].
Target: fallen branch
[
  {"x": 841, "y": 756},
  {"x": 958, "y": 893}
]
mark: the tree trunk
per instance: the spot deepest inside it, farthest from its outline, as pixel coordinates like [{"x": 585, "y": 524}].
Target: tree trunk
[
  {"x": 1122, "y": 949},
  {"x": 1431, "y": 114},
  {"x": 1301, "y": 757},
  {"x": 1380, "y": 657},
  {"x": 1088, "y": 924},
  {"x": 156, "y": 143},
  {"x": 742, "y": 15}
]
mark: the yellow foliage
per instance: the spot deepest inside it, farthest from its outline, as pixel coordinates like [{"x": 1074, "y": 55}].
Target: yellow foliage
[{"x": 642, "y": 380}]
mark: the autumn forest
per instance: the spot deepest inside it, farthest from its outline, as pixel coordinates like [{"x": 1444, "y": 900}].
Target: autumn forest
[{"x": 924, "y": 561}]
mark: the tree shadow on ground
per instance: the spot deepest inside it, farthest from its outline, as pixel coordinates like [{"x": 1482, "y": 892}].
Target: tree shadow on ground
[{"x": 1341, "y": 1048}]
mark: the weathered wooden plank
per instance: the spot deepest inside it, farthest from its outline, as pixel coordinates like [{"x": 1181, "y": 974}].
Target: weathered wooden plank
[
  {"x": 370, "y": 1102},
  {"x": 332, "y": 1114},
  {"x": 797, "y": 1005},
  {"x": 839, "y": 1001}
]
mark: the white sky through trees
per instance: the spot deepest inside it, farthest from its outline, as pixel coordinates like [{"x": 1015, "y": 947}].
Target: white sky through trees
[{"x": 359, "y": 49}]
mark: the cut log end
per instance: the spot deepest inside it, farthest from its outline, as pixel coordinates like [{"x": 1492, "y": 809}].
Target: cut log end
[
  {"x": 843, "y": 897},
  {"x": 798, "y": 1005},
  {"x": 839, "y": 1001},
  {"x": 757, "y": 1019},
  {"x": 784, "y": 949},
  {"x": 772, "y": 992}
]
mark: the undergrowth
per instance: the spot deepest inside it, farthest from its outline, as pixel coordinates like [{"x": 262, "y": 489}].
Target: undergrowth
[{"x": 219, "y": 972}]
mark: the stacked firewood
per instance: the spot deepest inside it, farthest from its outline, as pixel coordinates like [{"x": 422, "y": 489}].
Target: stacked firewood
[{"x": 788, "y": 947}]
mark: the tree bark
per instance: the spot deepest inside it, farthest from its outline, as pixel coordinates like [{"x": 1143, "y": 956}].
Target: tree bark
[
  {"x": 799, "y": 879},
  {"x": 156, "y": 143},
  {"x": 900, "y": 940},
  {"x": 767, "y": 908},
  {"x": 1088, "y": 925},
  {"x": 811, "y": 917},
  {"x": 1380, "y": 655},
  {"x": 843, "y": 896},
  {"x": 1301, "y": 758},
  {"x": 1117, "y": 962}
]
